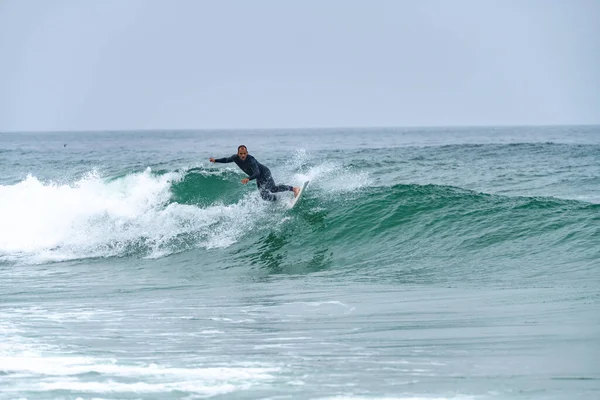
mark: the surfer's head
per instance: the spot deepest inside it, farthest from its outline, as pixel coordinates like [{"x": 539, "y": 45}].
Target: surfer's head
[{"x": 242, "y": 152}]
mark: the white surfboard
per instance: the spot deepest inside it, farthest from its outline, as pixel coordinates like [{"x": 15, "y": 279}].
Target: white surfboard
[{"x": 295, "y": 199}]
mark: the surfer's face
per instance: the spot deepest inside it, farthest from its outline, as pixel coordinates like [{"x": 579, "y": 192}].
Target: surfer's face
[{"x": 242, "y": 153}]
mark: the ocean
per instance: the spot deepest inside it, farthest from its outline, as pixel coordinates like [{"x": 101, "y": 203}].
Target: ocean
[{"x": 420, "y": 263}]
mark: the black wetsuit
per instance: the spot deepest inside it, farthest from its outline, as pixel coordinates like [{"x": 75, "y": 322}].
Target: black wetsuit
[{"x": 255, "y": 170}]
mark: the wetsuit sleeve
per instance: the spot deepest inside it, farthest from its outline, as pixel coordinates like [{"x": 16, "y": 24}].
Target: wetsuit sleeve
[
  {"x": 255, "y": 169},
  {"x": 225, "y": 159}
]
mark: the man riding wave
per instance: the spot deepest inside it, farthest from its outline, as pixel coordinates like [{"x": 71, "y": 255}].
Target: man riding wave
[{"x": 255, "y": 170}]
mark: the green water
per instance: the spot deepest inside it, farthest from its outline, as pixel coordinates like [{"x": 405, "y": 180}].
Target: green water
[{"x": 457, "y": 263}]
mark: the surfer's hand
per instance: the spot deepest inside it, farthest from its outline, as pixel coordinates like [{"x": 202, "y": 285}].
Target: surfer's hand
[
  {"x": 245, "y": 180},
  {"x": 211, "y": 160}
]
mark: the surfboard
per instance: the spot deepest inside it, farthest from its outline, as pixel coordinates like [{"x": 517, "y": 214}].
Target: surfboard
[{"x": 295, "y": 199}]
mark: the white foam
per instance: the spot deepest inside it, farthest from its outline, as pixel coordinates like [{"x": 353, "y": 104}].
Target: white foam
[
  {"x": 34, "y": 363},
  {"x": 233, "y": 321},
  {"x": 333, "y": 177},
  {"x": 320, "y": 303},
  {"x": 194, "y": 387},
  {"x": 328, "y": 176},
  {"x": 348, "y": 308},
  {"x": 62, "y": 373},
  {"x": 97, "y": 218},
  {"x": 43, "y": 216},
  {"x": 595, "y": 199},
  {"x": 33, "y": 366}
]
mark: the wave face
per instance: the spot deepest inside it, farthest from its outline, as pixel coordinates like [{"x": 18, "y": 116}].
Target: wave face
[{"x": 344, "y": 223}]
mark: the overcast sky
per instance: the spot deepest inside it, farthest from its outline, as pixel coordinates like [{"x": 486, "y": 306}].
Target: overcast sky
[{"x": 193, "y": 64}]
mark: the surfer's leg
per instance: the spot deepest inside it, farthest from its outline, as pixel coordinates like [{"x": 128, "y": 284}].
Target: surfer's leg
[
  {"x": 270, "y": 185},
  {"x": 281, "y": 188},
  {"x": 266, "y": 195},
  {"x": 264, "y": 187},
  {"x": 285, "y": 188}
]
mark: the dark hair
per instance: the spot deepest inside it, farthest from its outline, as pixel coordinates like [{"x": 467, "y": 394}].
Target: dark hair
[{"x": 240, "y": 146}]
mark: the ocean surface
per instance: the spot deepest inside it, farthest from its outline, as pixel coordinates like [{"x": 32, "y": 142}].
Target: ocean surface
[{"x": 439, "y": 263}]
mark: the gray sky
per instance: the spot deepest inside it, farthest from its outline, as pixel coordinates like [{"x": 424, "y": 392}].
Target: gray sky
[{"x": 149, "y": 64}]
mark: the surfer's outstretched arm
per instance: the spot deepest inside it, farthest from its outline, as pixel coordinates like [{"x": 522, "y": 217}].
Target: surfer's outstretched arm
[{"x": 222, "y": 160}]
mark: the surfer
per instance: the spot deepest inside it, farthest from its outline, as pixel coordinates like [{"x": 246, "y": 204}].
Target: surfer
[{"x": 255, "y": 170}]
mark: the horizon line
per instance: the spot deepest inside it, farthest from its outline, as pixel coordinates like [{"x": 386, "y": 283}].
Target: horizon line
[{"x": 113, "y": 130}]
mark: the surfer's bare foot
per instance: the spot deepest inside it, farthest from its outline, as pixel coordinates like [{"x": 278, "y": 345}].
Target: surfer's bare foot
[{"x": 296, "y": 191}]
